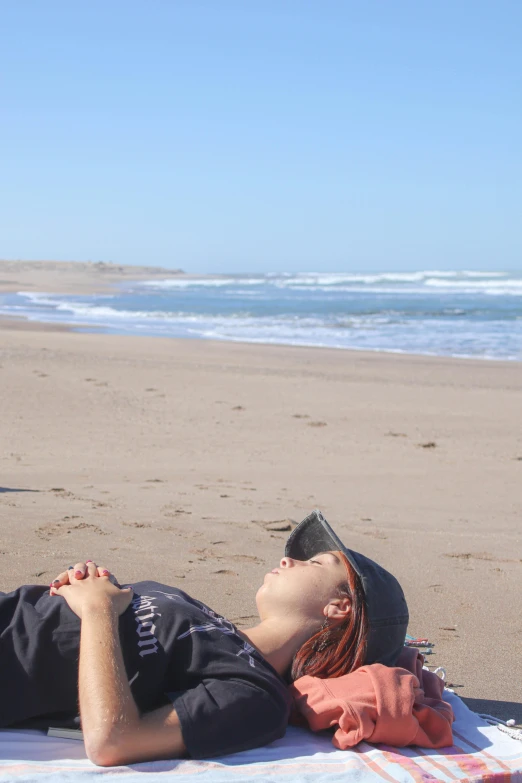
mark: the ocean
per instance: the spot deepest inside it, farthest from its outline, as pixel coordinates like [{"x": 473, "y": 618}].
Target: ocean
[{"x": 459, "y": 313}]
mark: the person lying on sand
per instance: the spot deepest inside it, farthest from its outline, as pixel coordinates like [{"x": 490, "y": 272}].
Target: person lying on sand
[{"x": 158, "y": 674}]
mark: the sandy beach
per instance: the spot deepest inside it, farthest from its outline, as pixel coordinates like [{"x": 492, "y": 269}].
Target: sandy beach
[{"x": 189, "y": 461}]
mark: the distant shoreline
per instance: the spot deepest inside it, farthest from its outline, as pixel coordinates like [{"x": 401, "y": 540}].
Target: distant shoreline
[
  {"x": 41, "y": 296},
  {"x": 75, "y": 277}
]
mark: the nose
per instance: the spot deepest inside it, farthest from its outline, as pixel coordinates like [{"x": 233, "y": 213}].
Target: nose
[{"x": 288, "y": 562}]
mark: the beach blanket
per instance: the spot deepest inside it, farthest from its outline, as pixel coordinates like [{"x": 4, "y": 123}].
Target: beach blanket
[{"x": 481, "y": 753}]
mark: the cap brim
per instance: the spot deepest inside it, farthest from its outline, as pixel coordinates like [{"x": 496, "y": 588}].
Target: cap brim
[{"x": 314, "y": 535}]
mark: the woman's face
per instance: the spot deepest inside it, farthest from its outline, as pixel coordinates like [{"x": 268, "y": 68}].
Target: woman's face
[{"x": 301, "y": 587}]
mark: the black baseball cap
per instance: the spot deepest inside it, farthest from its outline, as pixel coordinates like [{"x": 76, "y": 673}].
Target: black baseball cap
[{"x": 386, "y": 606}]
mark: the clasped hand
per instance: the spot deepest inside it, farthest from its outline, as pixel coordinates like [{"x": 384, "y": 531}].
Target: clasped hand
[{"x": 89, "y": 588}]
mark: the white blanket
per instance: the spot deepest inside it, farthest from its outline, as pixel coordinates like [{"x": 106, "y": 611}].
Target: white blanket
[{"x": 480, "y": 753}]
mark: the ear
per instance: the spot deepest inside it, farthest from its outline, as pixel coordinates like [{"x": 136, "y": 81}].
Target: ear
[{"x": 337, "y": 610}]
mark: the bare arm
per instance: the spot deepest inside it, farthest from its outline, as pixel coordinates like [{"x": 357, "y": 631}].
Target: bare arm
[{"x": 114, "y": 731}]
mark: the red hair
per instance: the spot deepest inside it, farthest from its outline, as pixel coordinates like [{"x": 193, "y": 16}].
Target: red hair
[{"x": 338, "y": 650}]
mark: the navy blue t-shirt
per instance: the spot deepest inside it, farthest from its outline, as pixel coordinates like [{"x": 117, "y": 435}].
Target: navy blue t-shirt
[{"x": 176, "y": 650}]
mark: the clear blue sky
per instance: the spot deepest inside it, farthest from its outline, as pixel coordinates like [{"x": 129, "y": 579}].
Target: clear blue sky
[{"x": 244, "y": 135}]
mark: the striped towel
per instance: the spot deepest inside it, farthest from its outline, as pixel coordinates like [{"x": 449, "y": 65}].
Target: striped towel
[{"x": 481, "y": 753}]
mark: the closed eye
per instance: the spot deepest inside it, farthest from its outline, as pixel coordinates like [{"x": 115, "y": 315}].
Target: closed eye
[{"x": 316, "y": 561}]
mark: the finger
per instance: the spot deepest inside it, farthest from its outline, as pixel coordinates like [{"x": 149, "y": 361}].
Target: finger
[
  {"x": 129, "y": 594},
  {"x": 102, "y": 571},
  {"x": 77, "y": 572},
  {"x": 58, "y": 590},
  {"x": 92, "y": 569},
  {"x": 61, "y": 579}
]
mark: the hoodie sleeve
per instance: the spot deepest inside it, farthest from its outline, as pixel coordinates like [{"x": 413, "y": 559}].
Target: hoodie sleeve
[
  {"x": 347, "y": 702},
  {"x": 375, "y": 703}
]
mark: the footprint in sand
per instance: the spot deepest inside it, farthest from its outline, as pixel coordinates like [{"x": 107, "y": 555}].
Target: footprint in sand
[
  {"x": 89, "y": 526},
  {"x": 429, "y": 445},
  {"x": 317, "y": 424},
  {"x": 225, "y": 572},
  {"x": 375, "y": 534},
  {"x": 247, "y": 559},
  {"x": 277, "y": 525},
  {"x": 61, "y": 492},
  {"x": 136, "y": 524},
  {"x": 480, "y": 556},
  {"x": 172, "y": 511},
  {"x": 206, "y": 554},
  {"x": 57, "y": 529}
]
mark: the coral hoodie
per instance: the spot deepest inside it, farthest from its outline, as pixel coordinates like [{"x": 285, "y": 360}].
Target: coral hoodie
[{"x": 400, "y": 705}]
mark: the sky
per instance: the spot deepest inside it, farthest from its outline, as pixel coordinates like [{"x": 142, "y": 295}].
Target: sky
[{"x": 263, "y": 135}]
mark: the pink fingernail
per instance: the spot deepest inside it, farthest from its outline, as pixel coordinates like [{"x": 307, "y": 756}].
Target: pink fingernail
[
  {"x": 88, "y": 561},
  {"x": 78, "y": 574},
  {"x": 105, "y": 571}
]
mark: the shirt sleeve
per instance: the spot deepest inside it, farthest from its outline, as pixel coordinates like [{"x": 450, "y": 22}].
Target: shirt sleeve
[{"x": 227, "y": 716}]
